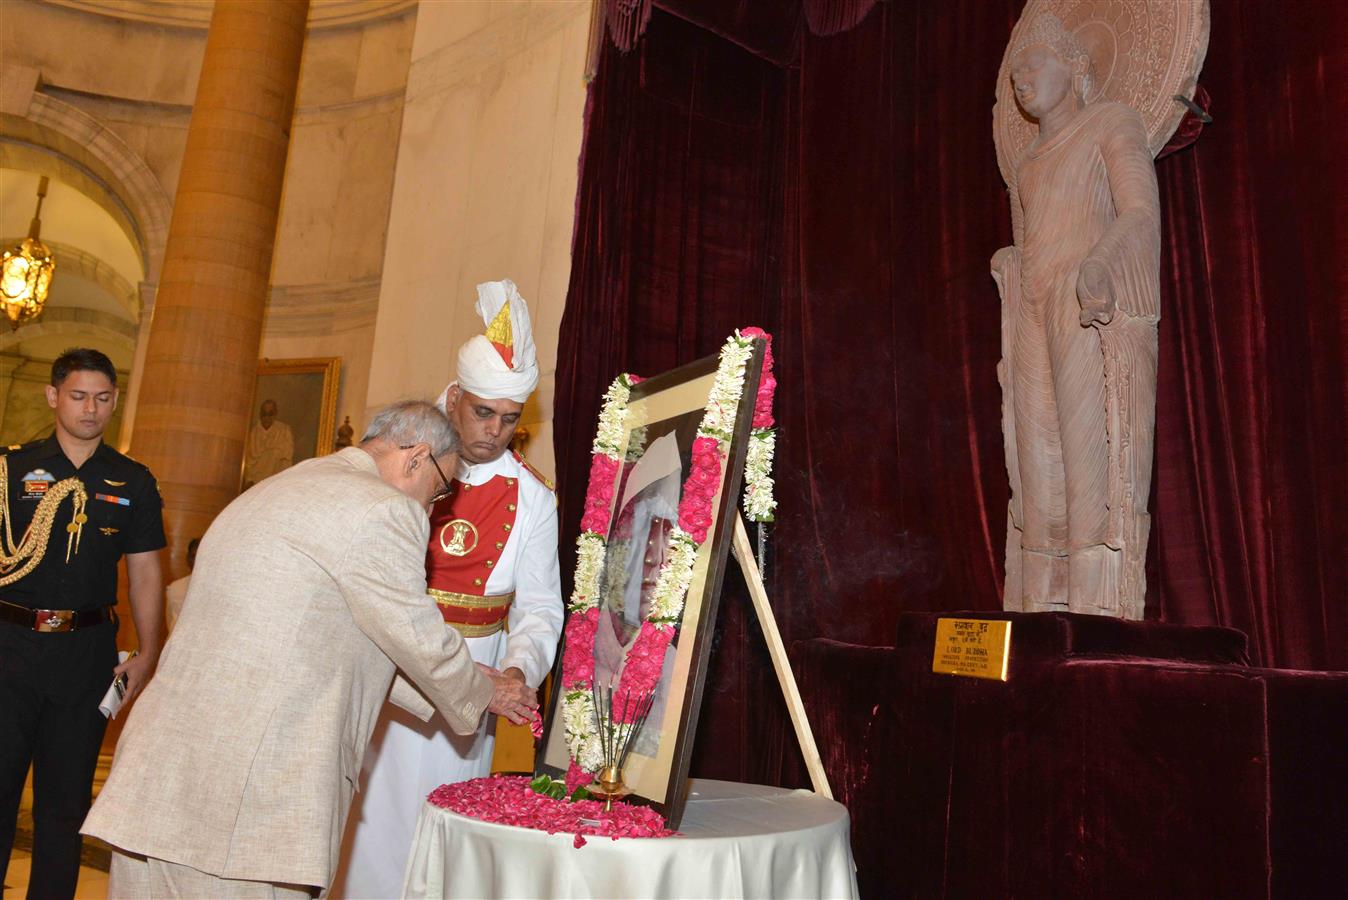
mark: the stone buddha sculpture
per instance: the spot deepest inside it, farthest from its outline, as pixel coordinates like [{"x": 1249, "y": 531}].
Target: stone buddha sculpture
[{"x": 1080, "y": 305}]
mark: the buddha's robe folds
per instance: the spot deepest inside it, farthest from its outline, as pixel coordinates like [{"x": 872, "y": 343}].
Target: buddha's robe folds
[{"x": 1079, "y": 402}]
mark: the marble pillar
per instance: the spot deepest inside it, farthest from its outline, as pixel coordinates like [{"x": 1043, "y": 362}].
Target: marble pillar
[{"x": 202, "y": 354}]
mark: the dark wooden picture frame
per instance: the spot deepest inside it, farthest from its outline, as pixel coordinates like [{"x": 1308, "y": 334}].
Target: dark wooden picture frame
[{"x": 663, "y": 784}]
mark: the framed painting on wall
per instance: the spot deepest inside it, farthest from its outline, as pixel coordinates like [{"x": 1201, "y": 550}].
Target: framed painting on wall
[{"x": 294, "y": 412}]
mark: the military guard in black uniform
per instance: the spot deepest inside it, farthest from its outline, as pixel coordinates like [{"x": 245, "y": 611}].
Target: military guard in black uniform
[{"x": 73, "y": 506}]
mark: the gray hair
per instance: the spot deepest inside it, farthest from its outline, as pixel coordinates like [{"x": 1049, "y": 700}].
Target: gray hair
[{"x": 409, "y": 422}]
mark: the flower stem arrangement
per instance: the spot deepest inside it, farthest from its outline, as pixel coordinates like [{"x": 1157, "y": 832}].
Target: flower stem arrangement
[
  {"x": 597, "y": 734},
  {"x": 617, "y": 732}
]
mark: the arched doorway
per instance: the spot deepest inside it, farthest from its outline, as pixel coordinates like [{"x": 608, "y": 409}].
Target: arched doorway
[{"x": 106, "y": 217}]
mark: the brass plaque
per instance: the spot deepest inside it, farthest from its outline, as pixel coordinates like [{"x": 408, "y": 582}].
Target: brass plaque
[{"x": 978, "y": 648}]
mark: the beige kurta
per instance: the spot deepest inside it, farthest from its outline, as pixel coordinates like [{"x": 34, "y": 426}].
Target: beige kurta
[{"x": 241, "y": 756}]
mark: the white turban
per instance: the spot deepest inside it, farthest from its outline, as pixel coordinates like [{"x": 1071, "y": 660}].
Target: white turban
[{"x": 483, "y": 370}]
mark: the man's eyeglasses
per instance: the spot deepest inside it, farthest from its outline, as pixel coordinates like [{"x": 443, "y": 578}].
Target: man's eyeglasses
[{"x": 447, "y": 489}]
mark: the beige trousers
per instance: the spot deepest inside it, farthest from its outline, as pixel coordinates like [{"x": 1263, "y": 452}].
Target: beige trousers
[{"x": 141, "y": 877}]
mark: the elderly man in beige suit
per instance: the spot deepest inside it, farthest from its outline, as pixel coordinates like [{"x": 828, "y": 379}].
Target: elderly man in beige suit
[{"x": 236, "y": 769}]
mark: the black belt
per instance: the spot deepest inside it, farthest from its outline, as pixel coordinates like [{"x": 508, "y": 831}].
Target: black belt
[{"x": 54, "y": 620}]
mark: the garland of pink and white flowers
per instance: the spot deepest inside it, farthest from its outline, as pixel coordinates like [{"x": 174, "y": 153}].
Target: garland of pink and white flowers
[{"x": 645, "y": 659}]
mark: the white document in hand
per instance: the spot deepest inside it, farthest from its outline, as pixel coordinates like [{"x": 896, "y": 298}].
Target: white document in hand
[{"x": 112, "y": 700}]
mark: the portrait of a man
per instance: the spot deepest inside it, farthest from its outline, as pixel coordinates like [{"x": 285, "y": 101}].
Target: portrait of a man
[{"x": 271, "y": 446}]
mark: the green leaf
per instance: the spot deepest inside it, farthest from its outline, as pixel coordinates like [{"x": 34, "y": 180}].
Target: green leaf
[
  {"x": 581, "y": 793},
  {"x": 557, "y": 790},
  {"x": 541, "y": 784}
]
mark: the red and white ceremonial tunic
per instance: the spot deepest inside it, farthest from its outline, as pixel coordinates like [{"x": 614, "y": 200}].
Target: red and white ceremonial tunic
[{"x": 492, "y": 568}]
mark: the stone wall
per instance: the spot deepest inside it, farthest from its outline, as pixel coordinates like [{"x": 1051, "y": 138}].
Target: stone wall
[
  {"x": 133, "y": 73},
  {"x": 485, "y": 189}
]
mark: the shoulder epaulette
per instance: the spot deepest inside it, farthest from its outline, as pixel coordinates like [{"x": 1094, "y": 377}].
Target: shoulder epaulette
[{"x": 528, "y": 467}]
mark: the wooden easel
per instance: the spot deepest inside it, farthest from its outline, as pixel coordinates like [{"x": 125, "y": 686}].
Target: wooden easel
[{"x": 744, "y": 552}]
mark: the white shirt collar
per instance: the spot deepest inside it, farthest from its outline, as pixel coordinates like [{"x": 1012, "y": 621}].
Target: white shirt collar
[{"x": 481, "y": 473}]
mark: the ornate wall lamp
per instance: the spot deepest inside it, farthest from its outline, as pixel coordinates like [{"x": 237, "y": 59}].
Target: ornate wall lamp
[{"x": 28, "y": 267}]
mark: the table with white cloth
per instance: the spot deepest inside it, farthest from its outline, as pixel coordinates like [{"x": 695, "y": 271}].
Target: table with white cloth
[{"x": 735, "y": 840}]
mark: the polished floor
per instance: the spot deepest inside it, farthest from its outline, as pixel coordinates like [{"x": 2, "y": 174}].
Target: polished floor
[{"x": 93, "y": 861}]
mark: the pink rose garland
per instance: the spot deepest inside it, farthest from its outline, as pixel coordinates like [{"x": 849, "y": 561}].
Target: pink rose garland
[
  {"x": 599, "y": 495},
  {"x": 699, "y": 490},
  {"x": 767, "y": 385},
  {"x": 578, "y": 656},
  {"x": 641, "y": 672}
]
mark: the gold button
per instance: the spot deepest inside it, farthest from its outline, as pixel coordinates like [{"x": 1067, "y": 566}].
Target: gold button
[
  {"x": 506, "y": 526},
  {"x": 477, "y": 581},
  {"x": 499, "y": 545},
  {"x": 467, "y": 487},
  {"x": 490, "y": 564},
  {"x": 510, "y": 506},
  {"x": 510, "y": 482}
]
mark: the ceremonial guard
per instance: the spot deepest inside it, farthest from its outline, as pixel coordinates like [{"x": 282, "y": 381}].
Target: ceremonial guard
[
  {"x": 76, "y": 506},
  {"x": 492, "y": 568}
]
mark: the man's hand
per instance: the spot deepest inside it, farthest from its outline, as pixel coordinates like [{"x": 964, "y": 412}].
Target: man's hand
[
  {"x": 138, "y": 670},
  {"x": 511, "y": 697}
]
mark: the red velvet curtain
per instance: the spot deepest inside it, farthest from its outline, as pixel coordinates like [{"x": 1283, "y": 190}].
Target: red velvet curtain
[
  {"x": 849, "y": 202},
  {"x": 1251, "y": 496}
]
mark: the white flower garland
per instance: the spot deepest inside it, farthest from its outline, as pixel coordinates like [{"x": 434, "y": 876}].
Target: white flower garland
[
  {"x": 674, "y": 580},
  {"x": 612, "y": 431},
  {"x": 581, "y": 739},
  {"x": 759, "y": 502},
  {"x": 590, "y": 549}
]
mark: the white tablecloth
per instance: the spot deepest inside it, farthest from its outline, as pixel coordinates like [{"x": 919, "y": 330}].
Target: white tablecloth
[{"x": 736, "y": 840}]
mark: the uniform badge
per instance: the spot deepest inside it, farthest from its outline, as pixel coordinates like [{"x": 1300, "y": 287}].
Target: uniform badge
[
  {"x": 109, "y": 531},
  {"x": 455, "y": 537},
  {"x": 109, "y": 498},
  {"x": 114, "y": 483},
  {"x": 35, "y": 484}
]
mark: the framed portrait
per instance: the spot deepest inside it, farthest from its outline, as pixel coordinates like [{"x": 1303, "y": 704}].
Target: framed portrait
[
  {"x": 663, "y": 416},
  {"x": 294, "y": 412}
]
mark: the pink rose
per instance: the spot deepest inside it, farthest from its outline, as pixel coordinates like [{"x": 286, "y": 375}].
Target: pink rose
[
  {"x": 577, "y": 777},
  {"x": 706, "y": 451}
]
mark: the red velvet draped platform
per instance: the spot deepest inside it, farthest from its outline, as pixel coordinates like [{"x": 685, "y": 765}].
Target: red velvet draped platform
[
  {"x": 1119, "y": 759},
  {"x": 841, "y": 190}
]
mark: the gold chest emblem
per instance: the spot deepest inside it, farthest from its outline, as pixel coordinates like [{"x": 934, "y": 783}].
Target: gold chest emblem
[{"x": 458, "y": 537}]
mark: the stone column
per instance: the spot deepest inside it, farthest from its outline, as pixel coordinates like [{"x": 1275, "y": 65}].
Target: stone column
[{"x": 202, "y": 355}]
